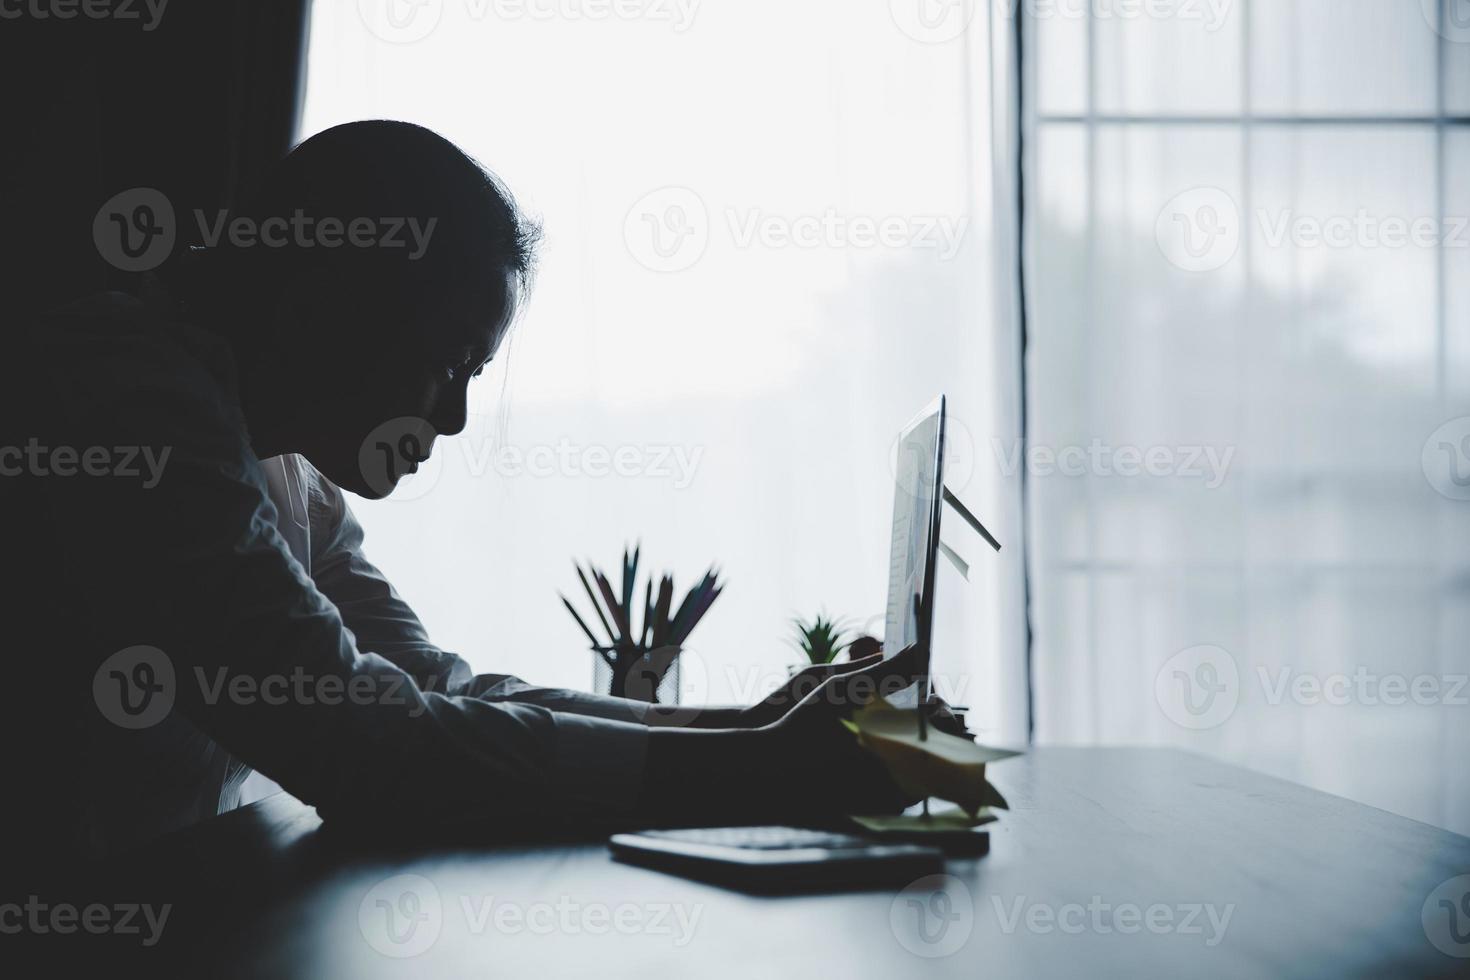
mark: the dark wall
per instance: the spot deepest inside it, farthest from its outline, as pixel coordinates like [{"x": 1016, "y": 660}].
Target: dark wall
[{"x": 195, "y": 107}]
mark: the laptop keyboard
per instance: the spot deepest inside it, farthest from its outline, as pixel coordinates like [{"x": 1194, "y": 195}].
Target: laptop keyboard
[{"x": 762, "y": 838}]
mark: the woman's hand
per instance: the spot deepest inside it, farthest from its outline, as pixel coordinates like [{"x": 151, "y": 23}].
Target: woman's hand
[
  {"x": 804, "y": 765},
  {"x": 867, "y": 676},
  {"x": 773, "y": 706},
  {"x": 822, "y": 768}
]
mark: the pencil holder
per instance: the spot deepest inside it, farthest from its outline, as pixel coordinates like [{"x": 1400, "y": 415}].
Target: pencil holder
[{"x": 639, "y": 659}]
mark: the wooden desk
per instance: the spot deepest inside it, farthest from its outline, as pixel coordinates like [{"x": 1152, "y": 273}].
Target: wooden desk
[{"x": 1109, "y": 864}]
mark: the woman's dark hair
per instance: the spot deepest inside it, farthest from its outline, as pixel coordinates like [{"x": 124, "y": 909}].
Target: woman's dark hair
[{"x": 443, "y": 229}]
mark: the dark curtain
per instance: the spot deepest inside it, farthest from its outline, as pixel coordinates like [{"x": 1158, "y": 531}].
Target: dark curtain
[{"x": 197, "y": 107}]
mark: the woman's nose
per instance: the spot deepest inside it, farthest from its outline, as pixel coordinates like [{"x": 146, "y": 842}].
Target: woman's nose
[{"x": 450, "y": 412}]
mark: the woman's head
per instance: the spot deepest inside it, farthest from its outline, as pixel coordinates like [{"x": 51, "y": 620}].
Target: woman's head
[{"x": 380, "y": 269}]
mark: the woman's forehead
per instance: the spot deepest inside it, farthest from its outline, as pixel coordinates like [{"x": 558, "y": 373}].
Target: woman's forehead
[{"x": 477, "y": 318}]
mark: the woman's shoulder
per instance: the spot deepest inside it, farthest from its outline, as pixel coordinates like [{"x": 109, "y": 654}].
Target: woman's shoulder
[{"x": 111, "y": 350}]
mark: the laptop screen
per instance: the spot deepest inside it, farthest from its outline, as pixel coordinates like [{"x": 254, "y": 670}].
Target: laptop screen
[{"x": 917, "y": 497}]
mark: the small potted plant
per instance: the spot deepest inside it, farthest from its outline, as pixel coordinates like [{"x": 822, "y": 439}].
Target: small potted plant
[
  {"x": 822, "y": 639},
  {"x": 639, "y": 659}
]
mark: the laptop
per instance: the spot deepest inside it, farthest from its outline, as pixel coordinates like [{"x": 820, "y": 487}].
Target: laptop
[{"x": 784, "y": 859}]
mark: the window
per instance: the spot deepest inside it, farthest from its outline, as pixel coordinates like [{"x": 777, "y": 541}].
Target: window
[
  {"x": 770, "y": 240},
  {"x": 1249, "y": 261}
]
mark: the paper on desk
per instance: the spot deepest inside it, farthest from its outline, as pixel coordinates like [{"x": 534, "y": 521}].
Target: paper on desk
[{"x": 942, "y": 765}]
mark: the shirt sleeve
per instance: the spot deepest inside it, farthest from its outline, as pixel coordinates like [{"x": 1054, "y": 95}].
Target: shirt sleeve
[
  {"x": 188, "y": 561},
  {"x": 383, "y": 622},
  {"x": 371, "y": 609}
]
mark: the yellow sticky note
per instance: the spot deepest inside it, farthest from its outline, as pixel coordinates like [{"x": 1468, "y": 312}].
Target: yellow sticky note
[
  {"x": 942, "y": 765},
  {"x": 949, "y": 820}
]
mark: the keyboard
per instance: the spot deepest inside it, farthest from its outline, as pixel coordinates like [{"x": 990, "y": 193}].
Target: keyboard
[{"x": 778, "y": 859}]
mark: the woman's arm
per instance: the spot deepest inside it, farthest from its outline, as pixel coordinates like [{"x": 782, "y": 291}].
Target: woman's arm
[
  {"x": 260, "y": 659},
  {"x": 384, "y": 623},
  {"x": 806, "y": 765}
]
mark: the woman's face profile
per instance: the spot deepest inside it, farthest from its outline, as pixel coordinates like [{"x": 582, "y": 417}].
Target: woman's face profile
[{"x": 380, "y": 409}]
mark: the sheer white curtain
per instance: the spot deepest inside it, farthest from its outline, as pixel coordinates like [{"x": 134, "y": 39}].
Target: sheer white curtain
[
  {"x": 1251, "y": 239},
  {"x": 773, "y": 232}
]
